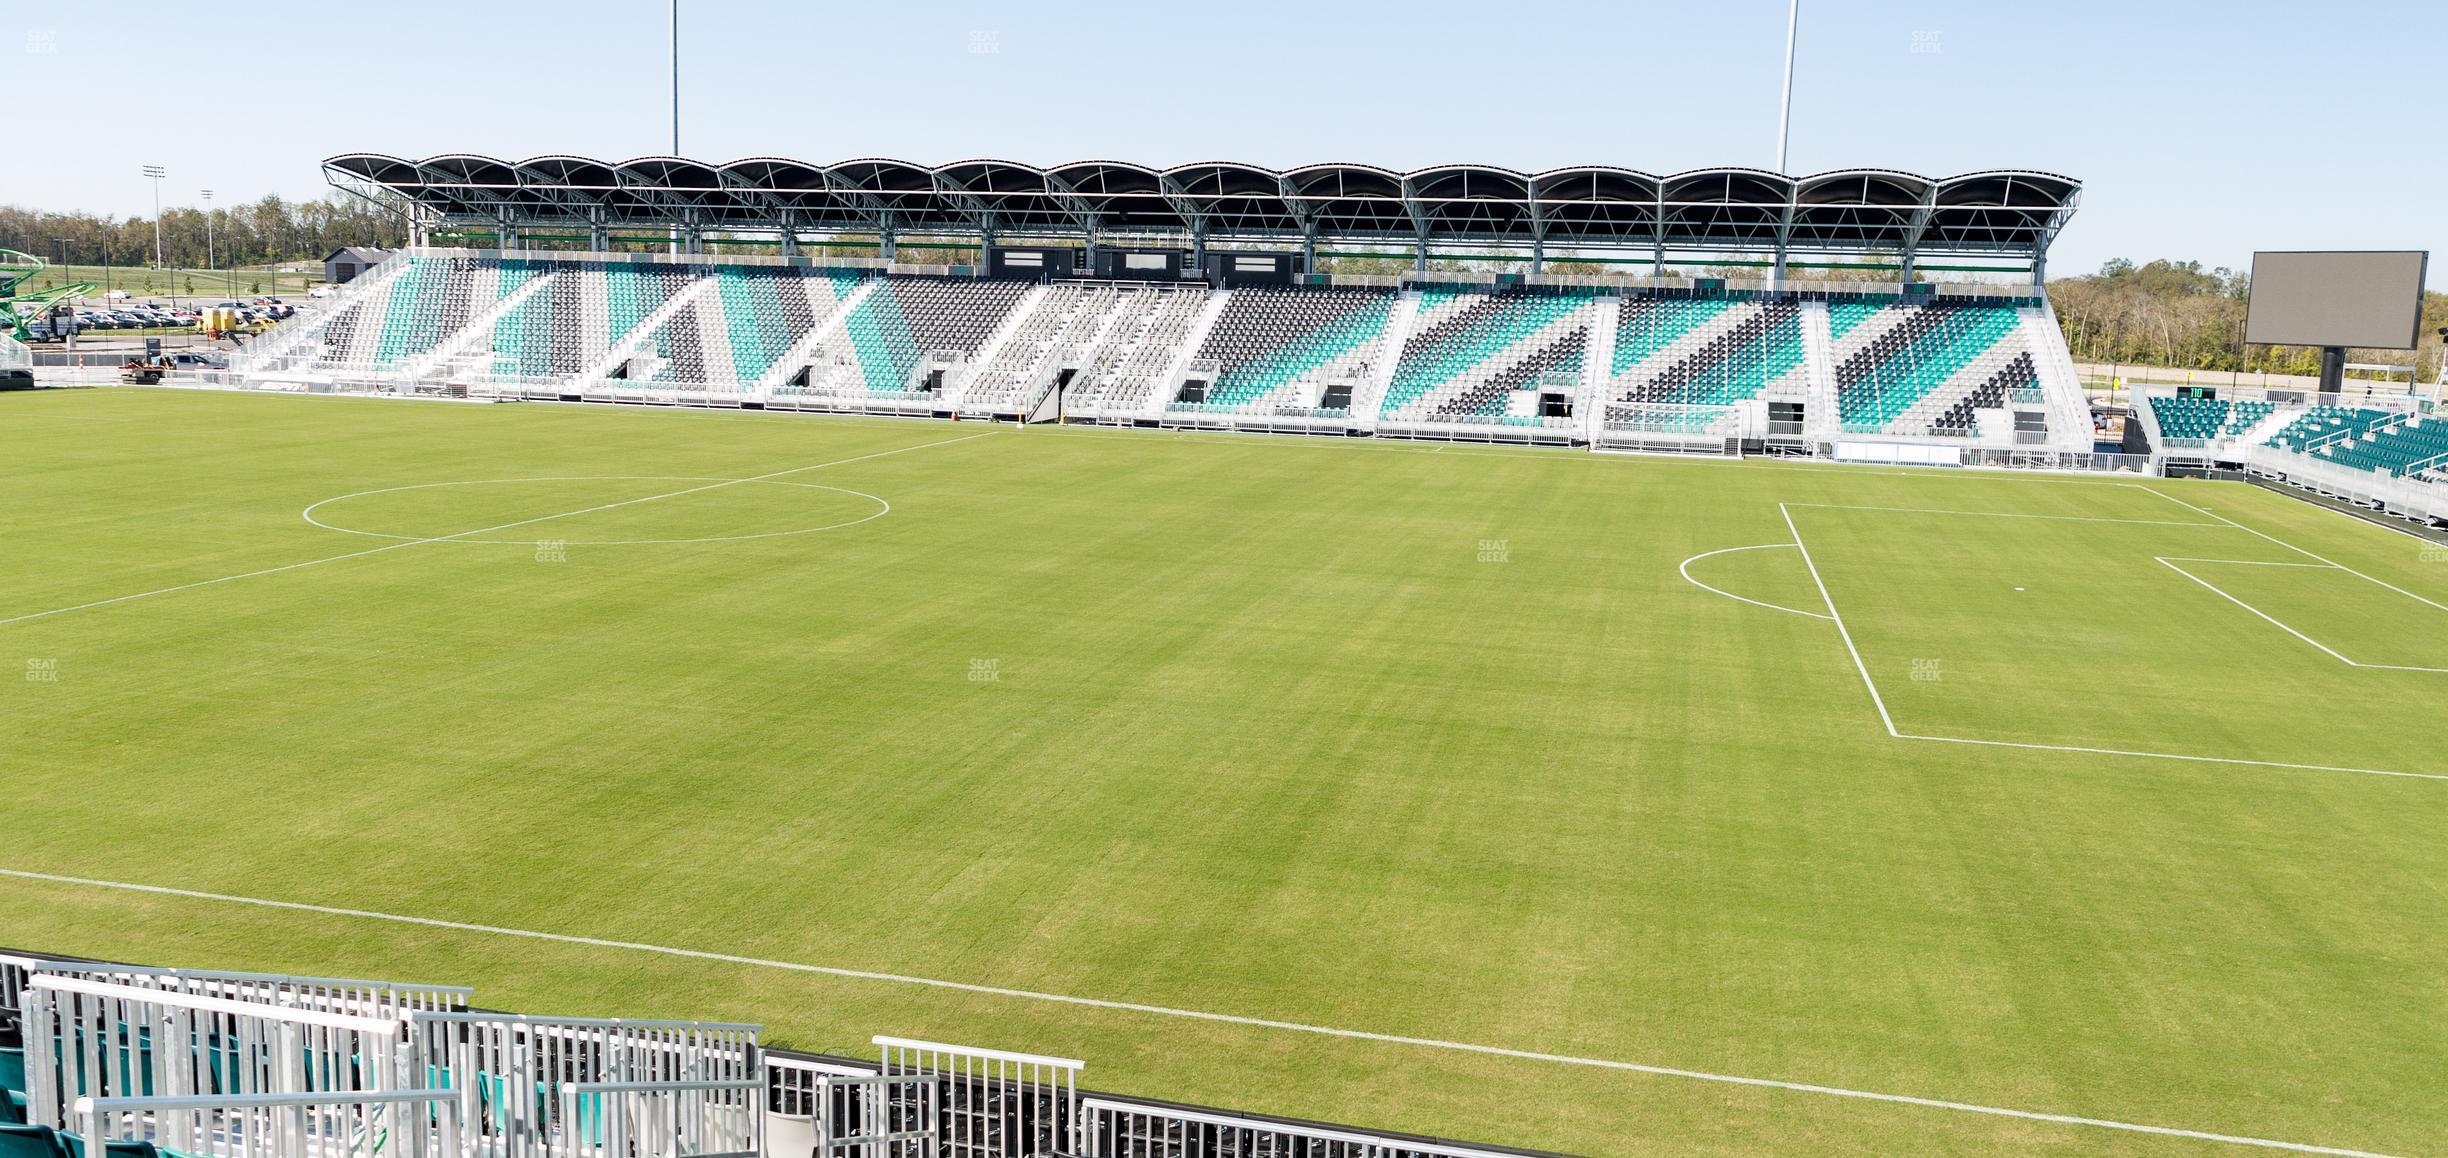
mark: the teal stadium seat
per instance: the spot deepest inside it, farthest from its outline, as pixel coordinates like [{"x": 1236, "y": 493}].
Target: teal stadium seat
[
  {"x": 1500, "y": 342},
  {"x": 1878, "y": 381},
  {"x": 2190, "y": 418},
  {"x": 22, "y": 1141}
]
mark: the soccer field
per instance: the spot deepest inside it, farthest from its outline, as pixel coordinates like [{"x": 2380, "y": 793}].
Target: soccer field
[{"x": 1523, "y": 797}]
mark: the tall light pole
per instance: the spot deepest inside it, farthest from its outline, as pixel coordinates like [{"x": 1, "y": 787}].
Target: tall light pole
[
  {"x": 208, "y": 238},
  {"x": 676, "y": 77},
  {"x": 1793, "y": 21},
  {"x": 156, "y": 172},
  {"x": 676, "y": 234}
]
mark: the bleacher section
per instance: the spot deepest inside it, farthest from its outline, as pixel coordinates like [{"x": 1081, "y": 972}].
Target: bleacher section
[
  {"x": 2321, "y": 423},
  {"x": 1482, "y": 358},
  {"x": 1150, "y": 325},
  {"x": 2190, "y": 419},
  {"x": 1925, "y": 369},
  {"x": 2370, "y": 440},
  {"x": 726, "y": 337},
  {"x": 1714, "y": 352},
  {"x": 1537, "y": 361},
  {"x": 1275, "y": 348},
  {"x": 874, "y": 355}
]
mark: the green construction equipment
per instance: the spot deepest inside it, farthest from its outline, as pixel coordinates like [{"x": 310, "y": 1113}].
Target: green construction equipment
[{"x": 17, "y": 308}]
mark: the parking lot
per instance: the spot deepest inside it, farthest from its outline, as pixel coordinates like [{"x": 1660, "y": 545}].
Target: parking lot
[{"x": 97, "y": 318}]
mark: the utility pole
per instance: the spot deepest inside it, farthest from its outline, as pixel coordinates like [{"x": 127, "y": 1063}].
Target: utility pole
[
  {"x": 1793, "y": 21},
  {"x": 156, "y": 172}
]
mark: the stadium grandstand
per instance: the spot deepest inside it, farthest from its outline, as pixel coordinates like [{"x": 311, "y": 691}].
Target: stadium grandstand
[
  {"x": 1196, "y": 297},
  {"x": 1192, "y": 297}
]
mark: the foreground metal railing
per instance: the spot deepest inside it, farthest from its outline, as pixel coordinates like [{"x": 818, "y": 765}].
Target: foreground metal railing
[
  {"x": 391, "y": 1123},
  {"x": 234, "y": 1065}
]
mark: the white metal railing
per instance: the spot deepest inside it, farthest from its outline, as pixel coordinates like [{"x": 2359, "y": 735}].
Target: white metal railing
[
  {"x": 98, "y": 1038},
  {"x": 994, "y": 1103},
  {"x": 1130, "y": 1130},
  {"x": 330, "y": 994},
  {"x": 880, "y": 1116},
  {"x": 15, "y": 972},
  {"x": 391, "y": 1123},
  {"x": 508, "y": 1067},
  {"x": 720, "y": 1119}
]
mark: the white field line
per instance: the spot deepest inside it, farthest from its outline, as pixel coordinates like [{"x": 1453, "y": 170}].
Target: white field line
[
  {"x": 883, "y": 508},
  {"x": 2265, "y": 616},
  {"x": 2242, "y": 562},
  {"x": 2002, "y": 515},
  {"x": 117, "y": 599},
  {"x": 2273, "y": 620},
  {"x": 1685, "y": 568},
  {"x": 1202, "y": 1015},
  {"x": 1838, "y": 618},
  {"x": 1889, "y": 720},
  {"x": 2087, "y": 751},
  {"x": 2289, "y": 546}
]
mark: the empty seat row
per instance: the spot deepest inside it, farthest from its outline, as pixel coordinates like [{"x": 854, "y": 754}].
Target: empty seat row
[
  {"x": 1469, "y": 352},
  {"x": 1892, "y": 357},
  {"x": 1268, "y": 338},
  {"x": 1729, "y": 353},
  {"x": 1145, "y": 338}
]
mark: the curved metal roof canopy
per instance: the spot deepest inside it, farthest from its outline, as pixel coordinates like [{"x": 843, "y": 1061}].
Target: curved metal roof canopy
[{"x": 2002, "y": 211}]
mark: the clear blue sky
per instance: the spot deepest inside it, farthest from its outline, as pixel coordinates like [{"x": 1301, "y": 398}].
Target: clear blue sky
[{"x": 2201, "y": 130}]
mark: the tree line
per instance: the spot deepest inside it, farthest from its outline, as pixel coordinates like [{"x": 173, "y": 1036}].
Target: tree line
[
  {"x": 259, "y": 233},
  {"x": 2180, "y": 315}
]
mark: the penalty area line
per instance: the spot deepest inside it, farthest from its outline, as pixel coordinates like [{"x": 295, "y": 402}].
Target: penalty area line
[
  {"x": 1888, "y": 720},
  {"x": 1202, "y": 1015}
]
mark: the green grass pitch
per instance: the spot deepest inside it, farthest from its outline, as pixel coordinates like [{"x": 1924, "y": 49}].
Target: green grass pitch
[{"x": 1428, "y": 742}]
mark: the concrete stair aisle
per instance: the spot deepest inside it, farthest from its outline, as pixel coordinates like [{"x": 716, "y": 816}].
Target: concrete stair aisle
[
  {"x": 1820, "y": 421},
  {"x": 2069, "y": 409},
  {"x": 1011, "y": 326},
  {"x": 1530, "y": 345},
  {"x": 464, "y": 341},
  {"x": 1401, "y": 319},
  {"x": 2259, "y": 433},
  {"x": 1597, "y": 366},
  {"x": 1162, "y": 393},
  {"x": 804, "y": 351},
  {"x": 289, "y": 340},
  {"x": 626, "y": 346}
]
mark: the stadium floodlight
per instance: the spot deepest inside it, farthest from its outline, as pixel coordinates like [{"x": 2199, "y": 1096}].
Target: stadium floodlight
[
  {"x": 208, "y": 236},
  {"x": 1793, "y": 22},
  {"x": 156, "y": 172},
  {"x": 675, "y": 55}
]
